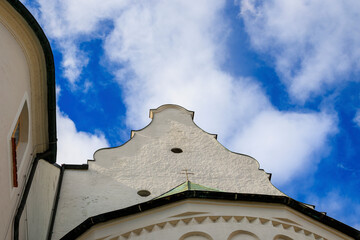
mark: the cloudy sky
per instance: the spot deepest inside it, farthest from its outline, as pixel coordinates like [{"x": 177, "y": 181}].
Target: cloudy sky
[{"x": 276, "y": 79}]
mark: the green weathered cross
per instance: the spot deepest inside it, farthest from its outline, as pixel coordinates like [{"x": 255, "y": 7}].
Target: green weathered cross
[{"x": 187, "y": 173}]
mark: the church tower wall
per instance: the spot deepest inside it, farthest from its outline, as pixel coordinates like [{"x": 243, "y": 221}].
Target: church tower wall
[{"x": 27, "y": 109}]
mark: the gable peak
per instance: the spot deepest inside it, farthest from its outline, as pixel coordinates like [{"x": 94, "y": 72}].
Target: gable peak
[{"x": 170, "y": 106}]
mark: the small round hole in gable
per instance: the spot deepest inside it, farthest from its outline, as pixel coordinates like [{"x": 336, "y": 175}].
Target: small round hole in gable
[
  {"x": 143, "y": 193},
  {"x": 176, "y": 150}
]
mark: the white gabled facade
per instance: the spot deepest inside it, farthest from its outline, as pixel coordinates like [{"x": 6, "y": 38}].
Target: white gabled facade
[
  {"x": 146, "y": 162},
  {"x": 228, "y": 197}
]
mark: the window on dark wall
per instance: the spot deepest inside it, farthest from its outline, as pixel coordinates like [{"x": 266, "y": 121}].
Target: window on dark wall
[
  {"x": 15, "y": 139},
  {"x": 19, "y": 141}
]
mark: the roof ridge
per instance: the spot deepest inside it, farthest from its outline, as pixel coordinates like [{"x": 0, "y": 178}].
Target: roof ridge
[{"x": 187, "y": 186}]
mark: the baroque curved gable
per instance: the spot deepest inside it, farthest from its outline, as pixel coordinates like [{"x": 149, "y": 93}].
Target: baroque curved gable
[
  {"x": 149, "y": 155},
  {"x": 139, "y": 181}
]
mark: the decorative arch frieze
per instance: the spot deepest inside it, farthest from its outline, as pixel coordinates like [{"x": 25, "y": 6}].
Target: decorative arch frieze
[
  {"x": 282, "y": 237},
  {"x": 196, "y": 236},
  {"x": 242, "y": 235},
  {"x": 257, "y": 222}
]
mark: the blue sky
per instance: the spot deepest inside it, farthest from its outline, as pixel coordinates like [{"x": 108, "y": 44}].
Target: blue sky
[{"x": 276, "y": 79}]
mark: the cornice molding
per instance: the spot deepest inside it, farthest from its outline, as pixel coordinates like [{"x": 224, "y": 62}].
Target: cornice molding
[
  {"x": 230, "y": 197},
  {"x": 241, "y": 220}
]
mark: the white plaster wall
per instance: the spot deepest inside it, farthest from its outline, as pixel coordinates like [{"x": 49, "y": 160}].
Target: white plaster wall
[
  {"x": 22, "y": 78},
  {"x": 218, "y": 220},
  {"x": 23, "y": 226},
  {"x": 14, "y": 84},
  {"x": 146, "y": 162},
  {"x": 40, "y": 200}
]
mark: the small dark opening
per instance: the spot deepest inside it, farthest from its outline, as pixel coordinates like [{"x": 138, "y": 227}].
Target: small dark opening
[
  {"x": 143, "y": 193},
  {"x": 176, "y": 150}
]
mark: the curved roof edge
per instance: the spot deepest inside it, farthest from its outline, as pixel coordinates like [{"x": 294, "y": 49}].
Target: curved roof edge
[
  {"x": 166, "y": 106},
  {"x": 152, "y": 112},
  {"x": 50, "y": 155},
  {"x": 209, "y": 195}
]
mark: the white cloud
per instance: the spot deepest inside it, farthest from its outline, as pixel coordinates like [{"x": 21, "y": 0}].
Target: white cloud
[
  {"x": 75, "y": 147},
  {"x": 73, "y": 61},
  {"x": 336, "y": 205},
  {"x": 288, "y": 141},
  {"x": 357, "y": 118},
  {"x": 314, "y": 43},
  {"x": 69, "y": 23},
  {"x": 171, "y": 52}
]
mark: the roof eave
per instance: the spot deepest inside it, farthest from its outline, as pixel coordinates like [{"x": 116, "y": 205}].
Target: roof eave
[
  {"x": 50, "y": 155},
  {"x": 209, "y": 195}
]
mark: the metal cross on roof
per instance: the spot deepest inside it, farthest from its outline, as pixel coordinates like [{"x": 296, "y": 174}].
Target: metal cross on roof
[{"x": 187, "y": 173}]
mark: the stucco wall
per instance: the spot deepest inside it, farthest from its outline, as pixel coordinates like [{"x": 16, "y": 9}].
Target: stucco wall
[
  {"x": 22, "y": 83},
  {"x": 14, "y": 89},
  {"x": 40, "y": 202},
  {"x": 147, "y": 162}
]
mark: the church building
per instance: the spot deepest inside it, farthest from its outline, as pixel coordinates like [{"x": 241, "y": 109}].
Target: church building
[
  {"x": 171, "y": 180},
  {"x": 138, "y": 191}
]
